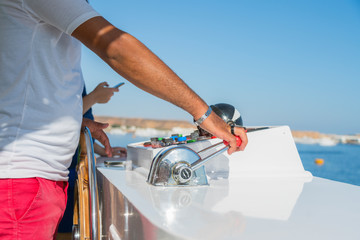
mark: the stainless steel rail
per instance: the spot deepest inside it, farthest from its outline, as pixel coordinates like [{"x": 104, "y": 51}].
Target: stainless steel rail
[{"x": 93, "y": 191}]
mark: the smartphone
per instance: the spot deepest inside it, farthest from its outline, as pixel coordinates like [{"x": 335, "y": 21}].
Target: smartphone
[
  {"x": 114, "y": 163},
  {"x": 118, "y": 85}
]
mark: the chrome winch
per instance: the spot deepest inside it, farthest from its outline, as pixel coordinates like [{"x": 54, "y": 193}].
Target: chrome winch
[{"x": 182, "y": 166}]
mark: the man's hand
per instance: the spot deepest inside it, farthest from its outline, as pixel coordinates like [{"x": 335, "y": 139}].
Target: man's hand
[
  {"x": 116, "y": 151},
  {"x": 119, "y": 151},
  {"x": 216, "y": 126},
  {"x": 97, "y": 132}
]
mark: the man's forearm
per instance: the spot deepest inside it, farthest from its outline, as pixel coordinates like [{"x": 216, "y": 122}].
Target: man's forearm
[
  {"x": 145, "y": 70},
  {"x": 135, "y": 62}
]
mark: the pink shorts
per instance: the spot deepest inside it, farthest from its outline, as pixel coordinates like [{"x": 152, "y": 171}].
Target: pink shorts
[{"x": 31, "y": 208}]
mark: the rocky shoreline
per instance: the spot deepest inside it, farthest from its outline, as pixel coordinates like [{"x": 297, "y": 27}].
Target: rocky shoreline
[{"x": 155, "y": 127}]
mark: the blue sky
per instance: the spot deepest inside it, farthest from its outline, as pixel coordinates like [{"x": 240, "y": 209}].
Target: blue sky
[{"x": 293, "y": 63}]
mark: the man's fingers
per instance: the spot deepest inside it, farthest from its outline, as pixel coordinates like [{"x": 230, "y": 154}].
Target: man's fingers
[
  {"x": 104, "y": 140},
  {"x": 233, "y": 146},
  {"x": 119, "y": 151},
  {"x": 97, "y": 132},
  {"x": 241, "y": 132},
  {"x": 99, "y": 125},
  {"x": 108, "y": 149}
]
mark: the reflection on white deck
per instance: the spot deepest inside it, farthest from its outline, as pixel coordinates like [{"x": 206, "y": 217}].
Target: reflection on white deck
[
  {"x": 321, "y": 209},
  {"x": 259, "y": 194}
]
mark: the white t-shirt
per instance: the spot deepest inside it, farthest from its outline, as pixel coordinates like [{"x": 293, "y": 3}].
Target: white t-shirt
[{"x": 40, "y": 86}]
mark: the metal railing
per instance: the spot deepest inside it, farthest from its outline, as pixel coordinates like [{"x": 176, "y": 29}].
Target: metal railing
[{"x": 93, "y": 191}]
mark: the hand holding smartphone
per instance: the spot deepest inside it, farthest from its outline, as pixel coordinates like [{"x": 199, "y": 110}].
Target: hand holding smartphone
[{"x": 118, "y": 85}]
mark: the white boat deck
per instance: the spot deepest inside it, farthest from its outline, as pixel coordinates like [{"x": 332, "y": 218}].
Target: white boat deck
[
  {"x": 241, "y": 209},
  {"x": 262, "y": 195}
]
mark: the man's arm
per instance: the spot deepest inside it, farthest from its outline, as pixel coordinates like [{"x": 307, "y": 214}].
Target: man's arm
[{"x": 135, "y": 62}]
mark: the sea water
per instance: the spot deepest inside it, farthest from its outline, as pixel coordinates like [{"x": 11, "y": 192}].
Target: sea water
[{"x": 341, "y": 162}]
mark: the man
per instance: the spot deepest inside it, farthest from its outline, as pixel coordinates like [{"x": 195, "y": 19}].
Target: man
[{"x": 41, "y": 105}]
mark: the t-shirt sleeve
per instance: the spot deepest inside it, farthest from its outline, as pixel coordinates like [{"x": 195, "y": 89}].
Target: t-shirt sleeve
[{"x": 66, "y": 15}]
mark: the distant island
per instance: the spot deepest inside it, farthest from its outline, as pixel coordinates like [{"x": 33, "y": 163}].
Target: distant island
[
  {"x": 116, "y": 122},
  {"x": 156, "y": 127}
]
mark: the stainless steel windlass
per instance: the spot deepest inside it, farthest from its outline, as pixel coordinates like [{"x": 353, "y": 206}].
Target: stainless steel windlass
[{"x": 181, "y": 166}]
